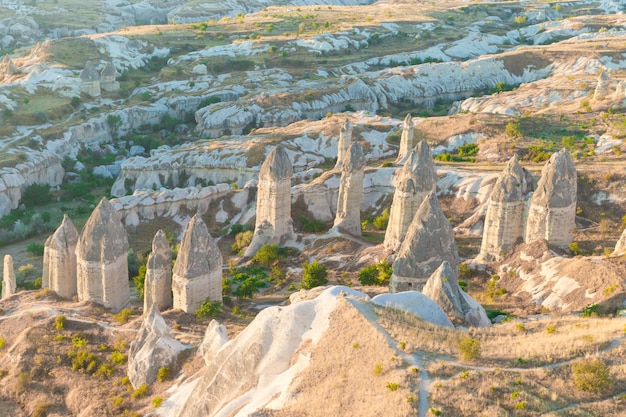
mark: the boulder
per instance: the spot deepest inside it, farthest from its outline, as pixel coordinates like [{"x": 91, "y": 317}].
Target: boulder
[
  {"x": 8, "y": 277},
  {"x": 552, "y": 211},
  {"x": 154, "y": 347},
  {"x": 428, "y": 242},
  {"x": 348, "y": 216},
  {"x": 443, "y": 288},
  {"x": 414, "y": 182},
  {"x": 197, "y": 273},
  {"x": 158, "y": 283},
  {"x": 59, "y": 260},
  {"x": 101, "y": 259}
]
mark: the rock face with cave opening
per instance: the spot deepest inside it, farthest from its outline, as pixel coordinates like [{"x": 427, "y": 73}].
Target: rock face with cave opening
[
  {"x": 552, "y": 211},
  {"x": 273, "y": 207},
  {"x": 197, "y": 273},
  {"x": 348, "y": 216},
  {"x": 101, "y": 259},
  {"x": 414, "y": 182},
  {"x": 504, "y": 220},
  {"x": 59, "y": 260},
  {"x": 158, "y": 283},
  {"x": 428, "y": 242}
]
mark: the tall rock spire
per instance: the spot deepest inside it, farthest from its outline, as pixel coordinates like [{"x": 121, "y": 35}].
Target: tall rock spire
[
  {"x": 504, "y": 220},
  {"x": 8, "y": 277},
  {"x": 59, "y": 260},
  {"x": 428, "y": 242},
  {"x": 552, "y": 211},
  {"x": 416, "y": 179},
  {"x": 406, "y": 140},
  {"x": 348, "y": 217},
  {"x": 197, "y": 273},
  {"x": 344, "y": 142},
  {"x": 101, "y": 259},
  {"x": 158, "y": 283},
  {"x": 273, "y": 208}
]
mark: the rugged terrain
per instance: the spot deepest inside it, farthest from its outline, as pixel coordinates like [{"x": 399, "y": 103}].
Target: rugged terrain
[{"x": 206, "y": 91}]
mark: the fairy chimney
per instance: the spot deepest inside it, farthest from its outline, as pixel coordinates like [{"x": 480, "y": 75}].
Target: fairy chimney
[
  {"x": 59, "y": 260},
  {"x": 8, "y": 277},
  {"x": 90, "y": 80},
  {"x": 107, "y": 78},
  {"x": 348, "y": 217},
  {"x": 158, "y": 283},
  {"x": 406, "y": 140},
  {"x": 344, "y": 142}
]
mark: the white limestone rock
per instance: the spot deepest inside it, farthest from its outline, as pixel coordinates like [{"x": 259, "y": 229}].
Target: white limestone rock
[
  {"x": 428, "y": 242},
  {"x": 214, "y": 338},
  {"x": 59, "y": 260},
  {"x": 348, "y": 216},
  {"x": 9, "y": 285},
  {"x": 416, "y": 303},
  {"x": 90, "y": 80},
  {"x": 158, "y": 283},
  {"x": 603, "y": 88},
  {"x": 416, "y": 179},
  {"x": 154, "y": 347},
  {"x": 344, "y": 142},
  {"x": 552, "y": 211},
  {"x": 101, "y": 259},
  {"x": 197, "y": 273},
  {"x": 620, "y": 246},
  {"x": 107, "y": 78},
  {"x": 407, "y": 142},
  {"x": 443, "y": 288}
]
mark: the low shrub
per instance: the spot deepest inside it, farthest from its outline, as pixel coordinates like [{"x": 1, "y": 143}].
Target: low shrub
[
  {"x": 591, "y": 375},
  {"x": 469, "y": 348}
]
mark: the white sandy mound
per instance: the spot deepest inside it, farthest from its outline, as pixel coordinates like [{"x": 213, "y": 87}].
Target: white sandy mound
[{"x": 415, "y": 302}]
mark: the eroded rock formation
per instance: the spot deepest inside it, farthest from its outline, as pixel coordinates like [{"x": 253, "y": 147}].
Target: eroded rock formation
[
  {"x": 620, "y": 246},
  {"x": 197, "y": 273},
  {"x": 101, "y": 259},
  {"x": 154, "y": 347},
  {"x": 107, "y": 78},
  {"x": 158, "y": 283},
  {"x": 348, "y": 216},
  {"x": 504, "y": 220},
  {"x": 8, "y": 277},
  {"x": 443, "y": 288},
  {"x": 428, "y": 242},
  {"x": 59, "y": 260},
  {"x": 406, "y": 140},
  {"x": 603, "y": 88},
  {"x": 552, "y": 211},
  {"x": 215, "y": 337},
  {"x": 416, "y": 179},
  {"x": 273, "y": 208},
  {"x": 90, "y": 80},
  {"x": 344, "y": 142}
]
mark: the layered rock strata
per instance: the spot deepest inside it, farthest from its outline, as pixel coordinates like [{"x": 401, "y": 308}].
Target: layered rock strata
[
  {"x": 406, "y": 139},
  {"x": 443, "y": 288},
  {"x": 348, "y": 216},
  {"x": 504, "y": 219},
  {"x": 8, "y": 277},
  {"x": 428, "y": 242},
  {"x": 416, "y": 179},
  {"x": 197, "y": 273},
  {"x": 552, "y": 211},
  {"x": 154, "y": 347},
  {"x": 101, "y": 259},
  {"x": 59, "y": 260},
  {"x": 158, "y": 283},
  {"x": 273, "y": 208},
  {"x": 344, "y": 142}
]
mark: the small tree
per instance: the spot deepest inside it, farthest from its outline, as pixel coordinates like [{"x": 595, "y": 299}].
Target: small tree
[
  {"x": 267, "y": 255},
  {"x": 314, "y": 274},
  {"x": 469, "y": 348},
  {"x": 591, "y": 375}
]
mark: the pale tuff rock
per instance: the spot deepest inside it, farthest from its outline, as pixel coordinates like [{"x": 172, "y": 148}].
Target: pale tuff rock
[
  {"x": 443, "y": 288},
  {"x": 59, "y": 260},
  {"x": 90, "y": 80},
  {"x": 101, "y": 259},
  {"x": 154, "y": 347},
  {"x": 552, "y": 211},
  {"x": 215, "y": 337},
  {"x": 428, "y": 242},
  {"x": 603, "y": 88},
  {"x": 504, "y": 220},
  {"x": 344, "y": 142},
  {"x": 197, "y": 273},
  {"x": 348, "y": 217},
  {"x": 107, "y": 78},
  {"x": 158, "y": 284},
  {"x": 416, "y": 179},
  {"x": 406, "y": 140},
  {"x": 7, "y": 67},
  {"x": 273, "y": 208},
  {"x": 416, "y": 303},
  {"x": 620, "y": 246},
  {"x": 8, "y": 277}
]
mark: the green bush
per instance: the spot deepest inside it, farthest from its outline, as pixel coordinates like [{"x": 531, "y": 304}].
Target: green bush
[
  {"x": 242, "y": 240},
  {"x": 314, "y": 274},
  {"x": 378, "y": 274},
  {"x": 469, "y": 348},
  {"x": 249, "y": 285},
  {"x": 382, "y": 221},
  {"x": 590, "y": 310},
  {"x": 123, "y": 316},
  {"x": 591, "y": 375},
  {"x": 513, "y": 129},
  {"x": 140, "y": 392},
  {"x": 209, "y": 308},
  {"x": 59, "y": 322},
  {"x": 36, "y": 195},
  {"x": 267, "y": 255},
  {"x": 312, "y": 225},
  {"x": 467, "y": 149},
  {"x": 163, "y": 374},
  {"x": 140, "y": 280},
  {"x": 118, "y": 357},
  {"x": 83, "y": 361},
  {"x": 35, "y": 248}
]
